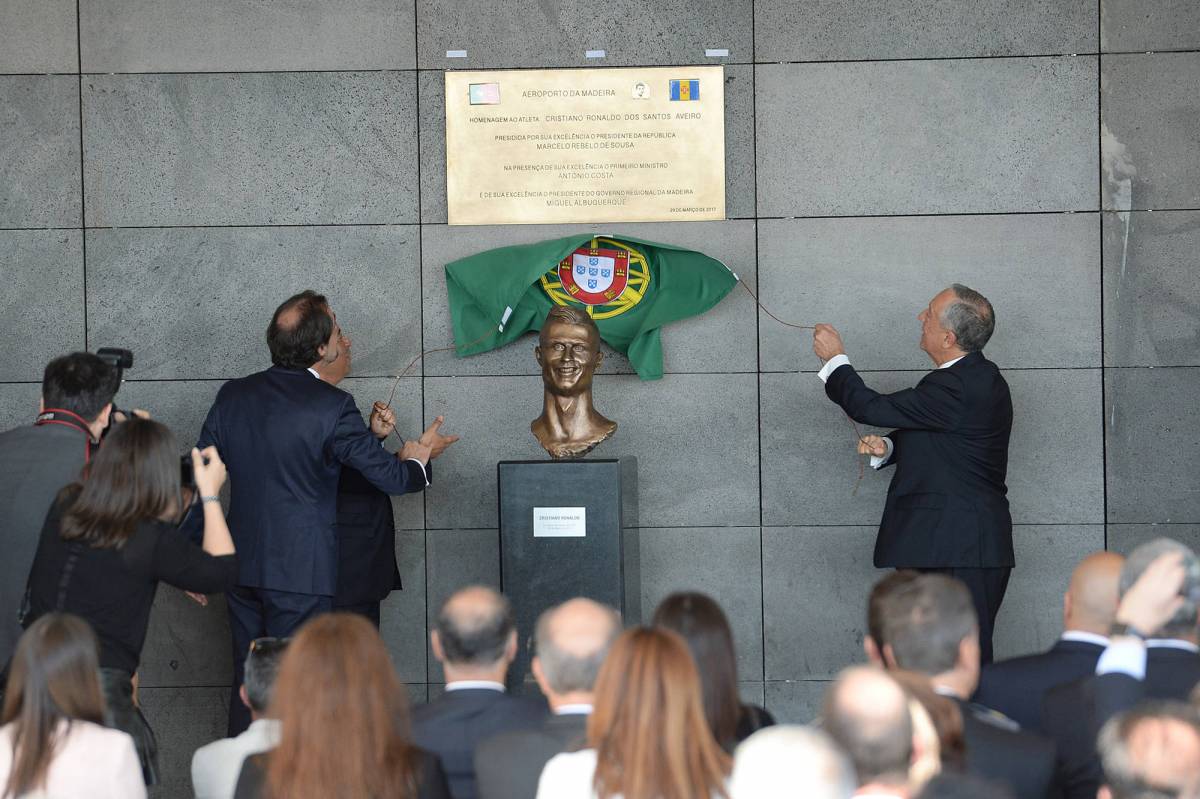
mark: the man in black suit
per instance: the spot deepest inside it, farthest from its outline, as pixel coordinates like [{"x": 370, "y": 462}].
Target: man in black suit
[
  {"x": 947, "y": 505},
  {"x": 572, "y": 641},
  {"x": 475, "y": 640},
  {"x": 1152, "y": 654},
  {"x": 37, "y": 460},
  {"x": 284, "y": 435},
  {"x": 929, "y": 627},
  {"x": 1017, "y": 687}
]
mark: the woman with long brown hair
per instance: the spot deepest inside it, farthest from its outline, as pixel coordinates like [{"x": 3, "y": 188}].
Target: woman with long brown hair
[
  {"x": 343, "y": 723},
  {"x": 53, "y": 740},
  {"x": 108, "y": 542},
  {"x": 699, "y": 619},
  {"x": 647, "y": 735}
]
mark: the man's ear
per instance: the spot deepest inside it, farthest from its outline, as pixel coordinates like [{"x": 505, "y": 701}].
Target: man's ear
[
  {"x": 871, "y": 649},
  {"x": 1104, "y": 793},
  {"x": 244, "y": 696},
  {"x": 510, "y": 647},
  {"x": 41, "y": 405},
  {"x": 599, "y": 358},
  {"x": 321, "y": 350},
  {"x": 539, "y": 675},
  {"x": 104, "y": 415},
  {"x": 537, "y": 353},
  {"x": 889, "y": 657},
  {"x": 435, "y": 643}
]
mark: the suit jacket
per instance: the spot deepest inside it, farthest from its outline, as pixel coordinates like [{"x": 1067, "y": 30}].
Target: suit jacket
[
  {"x": 452, "y": 725},
  {"x": 367, "y": 568},
  {"x": 1072, "y": 714},
  {"x": 1000, "y": 752},
  {"x": 431, "y": 781},
  {"x": 1016, "y": 687},
  {"x": 284, "y": 436},
  {"x": 508, "y": 765},
  {"x": 35, "y": 463},
  {"x": 947, "y": 504}
]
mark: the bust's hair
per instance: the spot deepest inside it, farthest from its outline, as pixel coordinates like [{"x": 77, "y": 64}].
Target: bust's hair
[{"x": 568, "y": 315}]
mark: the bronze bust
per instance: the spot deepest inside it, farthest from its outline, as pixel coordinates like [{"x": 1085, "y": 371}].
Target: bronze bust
[{"x": 569, "y": 353}]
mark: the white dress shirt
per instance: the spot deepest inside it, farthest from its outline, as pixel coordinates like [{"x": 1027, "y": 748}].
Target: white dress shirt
[
  {"x": 877, "y": 461},
  {"x": 216, "y": 766},
  {"x": 465, "y": 685},
  {"x": 569, "y": 776},
  {"x": 1128, "y": 656},
  {"x": 89, "y": 760}
]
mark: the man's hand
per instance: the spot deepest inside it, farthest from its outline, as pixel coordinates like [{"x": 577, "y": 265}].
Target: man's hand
[
  {"x": 827, "y": 342},
  {"x": 383, "y": 420},
  {"x": 119, "y": 416},
  {"x": 872, "y": 445},
  {"x": 199, "y": 599},
  {"x": 1154, "y": 598},
  {"x": 433, "y": 439}
]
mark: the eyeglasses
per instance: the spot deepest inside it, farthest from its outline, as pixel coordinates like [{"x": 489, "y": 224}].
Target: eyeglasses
[{"x": 268, "y": 641}]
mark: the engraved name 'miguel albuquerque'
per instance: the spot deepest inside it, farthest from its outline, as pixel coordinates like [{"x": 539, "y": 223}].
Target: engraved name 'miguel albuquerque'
[{"x": 592, "y": 145}]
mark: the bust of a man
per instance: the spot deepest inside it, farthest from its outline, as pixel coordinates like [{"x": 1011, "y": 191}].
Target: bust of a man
[{"x": 569, "y": 353}]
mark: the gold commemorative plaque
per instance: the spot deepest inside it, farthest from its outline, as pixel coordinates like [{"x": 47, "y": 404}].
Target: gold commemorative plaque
[{"x": 585, "y": 145}]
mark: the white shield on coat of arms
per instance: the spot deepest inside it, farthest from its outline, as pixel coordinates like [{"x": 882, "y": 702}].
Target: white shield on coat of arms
[{"x": 597, "y": 268}]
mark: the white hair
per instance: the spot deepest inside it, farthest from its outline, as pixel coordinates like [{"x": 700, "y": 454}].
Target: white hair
[{"x": 791, "y": 762}]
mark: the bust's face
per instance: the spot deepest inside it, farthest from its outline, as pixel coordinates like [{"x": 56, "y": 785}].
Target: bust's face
[{"x": 568, "y": 355}]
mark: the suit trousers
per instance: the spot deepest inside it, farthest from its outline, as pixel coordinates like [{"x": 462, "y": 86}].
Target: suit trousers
[
  {"x": 256, "y": 613},
  {"x": 987, "y": 587},
  {"x": 368, "y": 610}
]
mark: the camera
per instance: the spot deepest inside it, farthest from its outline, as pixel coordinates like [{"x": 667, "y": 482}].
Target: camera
[
  {"x": 120, "y": 360},
  {"x": 187, "y": 474}
]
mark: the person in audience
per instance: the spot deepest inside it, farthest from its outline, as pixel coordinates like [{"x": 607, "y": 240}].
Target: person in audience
[
  {"x": 867, "y": 715},
  {"x": 790, "y": 762},
  {"x": 1151, "y": 752},
  {"x": 647, "y": 737},
  {"x": 37, "y": 460},
  {"x": 53, "y": 742},
  {"x": 929, "y": 626},
  {"x": 215, "y": 767},
  {"x": 475, "y": 640},
  {"x": 343, "y": 722},
  {"x": 109, "y": 541},
  {"x": 1152, "y": 653},
  {"x": 948, "y": 747},
  {"x": 1017, "y": 687},
  {"x": 571, "y": 641},
  {"x": 701, "y": 622}
]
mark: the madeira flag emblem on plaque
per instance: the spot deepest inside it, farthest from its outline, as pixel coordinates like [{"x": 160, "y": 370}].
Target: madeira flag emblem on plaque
[
  {"x": 685, "y": 90},
  {"x": 630, "y": 287}
]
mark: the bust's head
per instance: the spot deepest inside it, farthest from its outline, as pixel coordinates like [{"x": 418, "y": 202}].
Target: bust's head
[{"x": 568, "y": 351}]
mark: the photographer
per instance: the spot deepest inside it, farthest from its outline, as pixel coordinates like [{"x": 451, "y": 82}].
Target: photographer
[
  {"x": 108, "y": 542},
  {"x": 37, "y": 460}
]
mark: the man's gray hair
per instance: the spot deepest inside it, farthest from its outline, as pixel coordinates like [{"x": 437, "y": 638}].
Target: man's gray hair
[
  {"x": 1184, "y": 620},
  {"x": 786, "y": 761},
  {"x": 260, "y": 669},
  {"x": 1123, "y": 775},
  {"x": 970, "y": 317},
  {"x": 569, "y": 672},
  {"x": 925, "y": 620}
]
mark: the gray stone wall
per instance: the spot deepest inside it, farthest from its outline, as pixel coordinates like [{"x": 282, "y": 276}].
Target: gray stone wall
[{"x": 170, "y": 170}]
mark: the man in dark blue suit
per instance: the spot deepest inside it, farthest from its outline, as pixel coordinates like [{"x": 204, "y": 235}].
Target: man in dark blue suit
[
  {"x": 284, "y": 435},
  {"x": 947, "y": 505},
  {"x": 1016, "y": 687}
]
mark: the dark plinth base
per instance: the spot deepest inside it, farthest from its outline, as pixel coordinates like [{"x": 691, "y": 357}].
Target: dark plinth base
[{"x": 538, "y": 572}]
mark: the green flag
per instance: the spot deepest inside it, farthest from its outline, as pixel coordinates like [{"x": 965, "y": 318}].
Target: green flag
[{"x": 630, "y": 288}]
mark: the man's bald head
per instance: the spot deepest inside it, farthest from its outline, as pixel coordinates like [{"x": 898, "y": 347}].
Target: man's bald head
[
  {"x": 572, "y": 641},
  {"x": 1091, "y": 599},
  {"x": 474, "y": 626},
  {"x": 300, "y": 326},
  {"x": 866, "y": 713}
]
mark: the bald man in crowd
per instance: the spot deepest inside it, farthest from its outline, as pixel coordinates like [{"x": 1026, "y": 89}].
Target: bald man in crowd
[
  {"x": 866, "y": 714},
  {"x": 475, "y": 640},
  {"x": 572, "y": 641},
  {"x": 1017, "y": 687}
]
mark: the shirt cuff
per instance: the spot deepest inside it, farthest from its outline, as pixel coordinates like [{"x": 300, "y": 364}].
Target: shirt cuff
[
  {"x": 877, "y": 461},
  {"x": 1123, "y": 657},
  {"x": 424, "y": 471},
  {"x": 831, "y": 364}
]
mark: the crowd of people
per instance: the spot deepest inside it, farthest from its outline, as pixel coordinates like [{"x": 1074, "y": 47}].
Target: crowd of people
[{"x": 97, "y": 509}]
